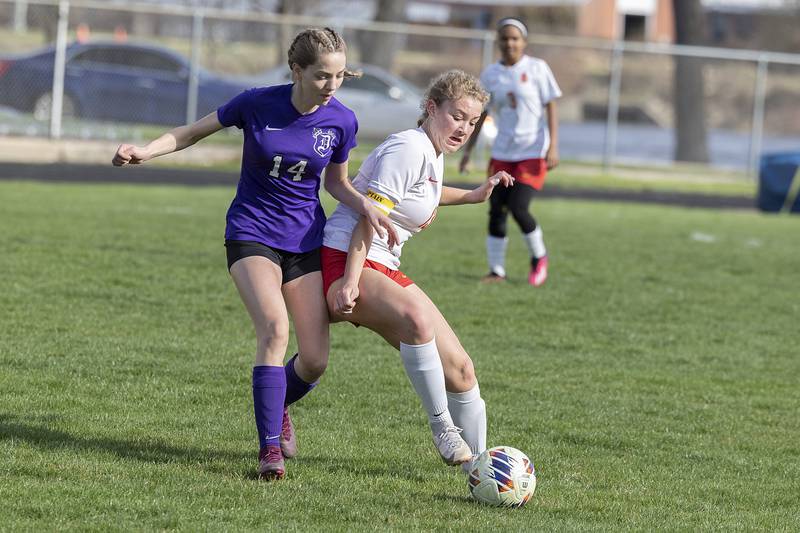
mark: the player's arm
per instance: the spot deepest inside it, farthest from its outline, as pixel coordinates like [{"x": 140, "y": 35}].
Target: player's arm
[
  {"x": 338, "y": 184},
  {"x": 345, "y": 297},
  {"x": 172, "y": 141},
  {"x": 462, "y": 166},
  {"x": 456, "y": 196},
  {"x": 551, "y": 157}
]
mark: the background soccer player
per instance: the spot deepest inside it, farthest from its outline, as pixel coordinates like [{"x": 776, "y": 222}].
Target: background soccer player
[
  {"x": 523, "y": 104},
  {"x": 275, "y": 223},
  {"x": 403, "y": 177}
]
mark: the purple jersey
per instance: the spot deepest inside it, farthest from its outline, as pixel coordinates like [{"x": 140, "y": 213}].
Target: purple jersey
[{"x": 284, "y": 153}]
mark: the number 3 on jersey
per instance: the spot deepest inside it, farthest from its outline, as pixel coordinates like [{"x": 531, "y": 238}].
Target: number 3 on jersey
[{"x": 296, "y": 170}]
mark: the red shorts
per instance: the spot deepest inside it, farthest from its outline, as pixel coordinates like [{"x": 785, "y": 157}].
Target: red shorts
[
  {"x": 529, "y": 171},
  {"x": 334, "y": 261}
]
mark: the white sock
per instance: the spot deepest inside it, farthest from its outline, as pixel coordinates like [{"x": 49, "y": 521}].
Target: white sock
[
  {"x": 496, "y": 252},
  {"x": 469, "y": 413},
  {"x": 535, "y": 243},
  {"x": 424, "y": 370}
]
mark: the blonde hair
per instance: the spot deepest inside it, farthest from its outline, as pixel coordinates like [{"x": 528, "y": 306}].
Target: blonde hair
[
  {"x": 452, "y": 85},
  {"x": 311, "y": 43}
]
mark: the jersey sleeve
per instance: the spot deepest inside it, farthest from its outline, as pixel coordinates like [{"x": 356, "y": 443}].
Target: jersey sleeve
[
  {"x": 232, "y": 113},
  {"x": 548, "y": 87},
  {"x": 348, "y": 141},
  {"x": 398, "y": 168}
]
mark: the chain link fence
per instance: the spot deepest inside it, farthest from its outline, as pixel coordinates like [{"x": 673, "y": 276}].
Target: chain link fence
[{"x": 84, "y": 69}]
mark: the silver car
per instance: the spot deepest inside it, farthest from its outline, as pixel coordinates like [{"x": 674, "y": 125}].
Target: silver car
[{"x": 383, "y": 102}]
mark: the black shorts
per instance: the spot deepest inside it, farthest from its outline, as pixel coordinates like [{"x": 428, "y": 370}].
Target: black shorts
[{"x": 293, "y": 265}]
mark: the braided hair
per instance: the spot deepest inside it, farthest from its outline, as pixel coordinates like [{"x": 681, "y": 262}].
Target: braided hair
[{"x": 311, "y": 43}]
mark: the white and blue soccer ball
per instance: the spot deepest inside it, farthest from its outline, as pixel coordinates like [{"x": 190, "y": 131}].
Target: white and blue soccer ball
[{"x": 502, "y": 476}]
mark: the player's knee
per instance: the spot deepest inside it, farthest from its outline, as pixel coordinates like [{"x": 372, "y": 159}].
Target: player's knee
[
  {"x": 314, "y": 364},
  {"x": 273, "y": 336},
  {"x": 418, "y": 323},
  {"x": 521, "y": 214},
  {"x": 465, "y": 375},
  {"x": 497, "y": 228}
]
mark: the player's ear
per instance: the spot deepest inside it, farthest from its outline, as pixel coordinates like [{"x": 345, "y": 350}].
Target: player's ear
[
  {"x": 297, "y": 72},
  {"x": 431, "y": 107}
]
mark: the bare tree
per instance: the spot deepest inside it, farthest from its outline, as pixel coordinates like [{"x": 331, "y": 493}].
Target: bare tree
[
  {"x": 689, "y": 102},
  {"x": 379, "y": 48},
  {"x": 287, "y": 32}
]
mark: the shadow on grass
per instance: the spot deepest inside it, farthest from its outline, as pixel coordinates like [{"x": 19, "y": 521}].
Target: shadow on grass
[
  {"x": 40, "y": 433},
  {"x": 357, "y": 466},
  {"x": 13, "y": 427}
]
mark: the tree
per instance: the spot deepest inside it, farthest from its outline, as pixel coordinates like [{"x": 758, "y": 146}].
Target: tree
[
  {"x": 689, "y": 102},
  {"x": 379, "y": 48}
]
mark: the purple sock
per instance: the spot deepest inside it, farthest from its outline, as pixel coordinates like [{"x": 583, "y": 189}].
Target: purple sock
[
  {"x": 296, "y": 388},
  {"x": 269, "y": 391}
]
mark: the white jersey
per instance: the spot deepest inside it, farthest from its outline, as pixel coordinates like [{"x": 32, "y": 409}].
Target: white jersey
[
  {"x": 519, "y": 94},
  {"x": 403, "y": 178}
]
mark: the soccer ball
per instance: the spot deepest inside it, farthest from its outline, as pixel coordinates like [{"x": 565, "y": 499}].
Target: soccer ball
[{"x": 502, "y": 476}]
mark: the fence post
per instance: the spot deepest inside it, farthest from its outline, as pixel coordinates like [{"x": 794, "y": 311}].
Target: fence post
[
  {"x": 757, "y": 133},
  {"x": 194, "y": 67},
  {"x": 59, "y": 66},
  {"x": 610, "y": 139},
  {"x": 20, "y": 16},
  {"x": 488, "y": 50}
]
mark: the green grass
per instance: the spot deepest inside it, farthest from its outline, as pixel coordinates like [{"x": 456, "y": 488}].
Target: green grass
[{"x": 653, "y": 380}]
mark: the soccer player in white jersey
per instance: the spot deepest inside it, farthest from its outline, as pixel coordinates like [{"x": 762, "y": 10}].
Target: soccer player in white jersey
[
  {"x": 523, "y": 105},
  {"x": 403, "y": 177}
]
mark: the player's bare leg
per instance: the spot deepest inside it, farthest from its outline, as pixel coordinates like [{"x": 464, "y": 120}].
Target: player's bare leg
[
  {"x": 405, "y": 322},
  {"x": 258, "y": 281},
  {"x": 463, "y": 393},
  {"x": 305, "y": 301}
]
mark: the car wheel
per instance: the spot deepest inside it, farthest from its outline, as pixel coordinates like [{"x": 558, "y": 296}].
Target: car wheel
[{"x": 44, "y": 104}]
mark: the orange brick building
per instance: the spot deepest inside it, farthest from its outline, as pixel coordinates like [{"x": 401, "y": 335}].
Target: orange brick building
[{"x": 638, "y": 20}]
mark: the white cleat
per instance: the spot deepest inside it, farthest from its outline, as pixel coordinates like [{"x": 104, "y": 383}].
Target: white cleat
[
  {"x": 467, "y": 466},
  {"x": 453, "y": 449}
]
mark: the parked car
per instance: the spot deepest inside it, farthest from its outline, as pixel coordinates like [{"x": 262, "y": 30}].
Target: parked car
[
  {"x": 112, "y": 81},
  {"x": 383, "y": 102}
]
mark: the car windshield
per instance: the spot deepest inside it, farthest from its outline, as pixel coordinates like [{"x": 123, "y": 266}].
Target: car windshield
[{"x": 381, "y": 82}]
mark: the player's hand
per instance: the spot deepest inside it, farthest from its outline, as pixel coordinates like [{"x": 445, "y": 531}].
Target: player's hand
[
  {"x": 128, "y": 154},
  {"x": 463, "y": 165},
  {"x": 382, "y": 225},
  {"x": 345, "y": 298},
  {"x": 482, "y": 193},
  {"x": 551, "y": 158}
]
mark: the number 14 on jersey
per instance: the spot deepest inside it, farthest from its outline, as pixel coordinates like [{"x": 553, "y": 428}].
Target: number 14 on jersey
[{"x": 295, "y": 170}]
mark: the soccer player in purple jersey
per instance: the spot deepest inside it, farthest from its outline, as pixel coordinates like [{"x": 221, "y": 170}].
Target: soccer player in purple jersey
[{"x": 275, "y": 223}]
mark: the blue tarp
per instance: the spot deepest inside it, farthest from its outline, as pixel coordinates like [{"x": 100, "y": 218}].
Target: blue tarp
[{"x": 777, "y": 171}]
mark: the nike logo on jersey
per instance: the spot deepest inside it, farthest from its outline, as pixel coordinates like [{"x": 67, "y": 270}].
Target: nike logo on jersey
[
  {"x": 432, "y": 180},
  {"x": 267, "y": 128}
]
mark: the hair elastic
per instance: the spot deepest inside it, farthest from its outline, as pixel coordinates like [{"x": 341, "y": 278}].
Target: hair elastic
[{"x": 510, "y": 21}]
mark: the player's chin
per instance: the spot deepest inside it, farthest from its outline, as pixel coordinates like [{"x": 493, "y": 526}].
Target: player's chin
[{"x": 452, "y": 144}]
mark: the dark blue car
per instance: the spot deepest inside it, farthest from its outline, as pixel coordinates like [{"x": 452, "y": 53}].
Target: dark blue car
[{"x": 112, "y": 81}]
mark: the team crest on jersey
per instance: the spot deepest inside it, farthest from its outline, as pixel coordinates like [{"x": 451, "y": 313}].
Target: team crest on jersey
[{"x": 323, "y": 141}]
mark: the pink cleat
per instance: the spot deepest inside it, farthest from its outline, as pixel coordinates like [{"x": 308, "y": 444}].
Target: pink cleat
[
  {"x": 270, "y": 463},
  {"x": 288, "y": 440},
  {"x": 538, "y": 273}
]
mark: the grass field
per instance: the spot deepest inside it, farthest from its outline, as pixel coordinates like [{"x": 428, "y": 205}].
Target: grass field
[{"x": 653, "y": 380}]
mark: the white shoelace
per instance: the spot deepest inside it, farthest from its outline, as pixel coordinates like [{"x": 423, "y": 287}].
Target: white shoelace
[{"x": 451, "y": 442}]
